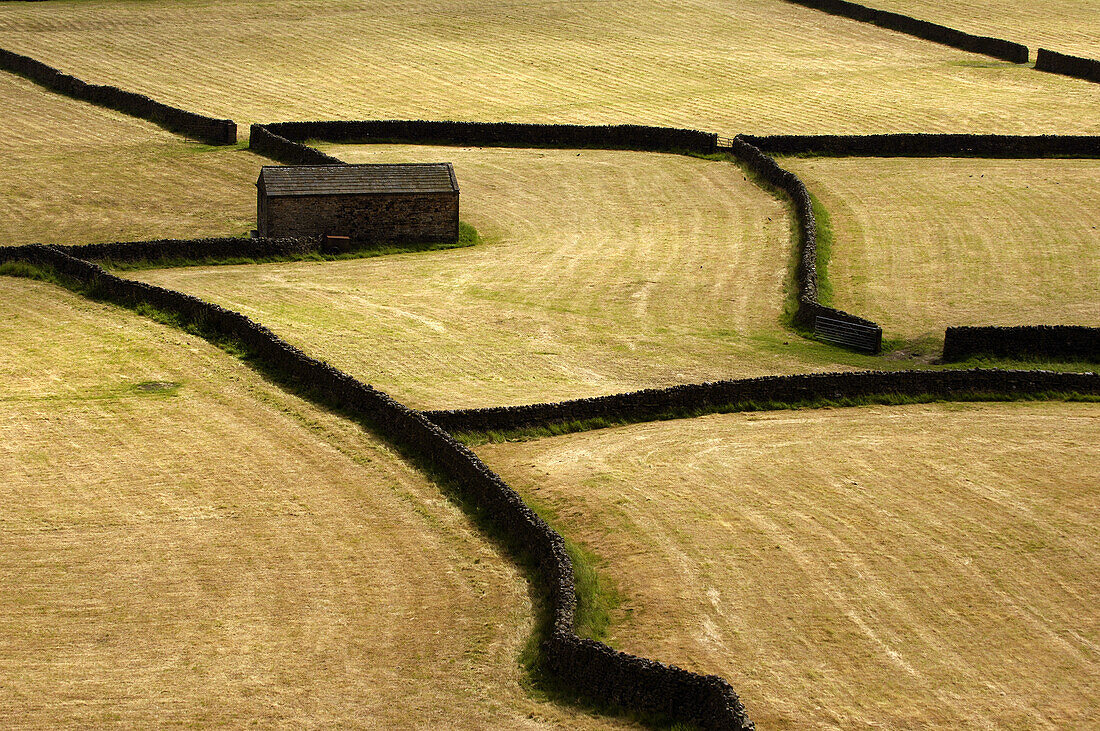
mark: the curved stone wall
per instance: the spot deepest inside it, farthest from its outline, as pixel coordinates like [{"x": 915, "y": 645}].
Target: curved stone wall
[{"x": 590, "y": 669}]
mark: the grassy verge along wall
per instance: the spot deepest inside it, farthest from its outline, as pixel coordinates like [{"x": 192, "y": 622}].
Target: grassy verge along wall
[
  {"x": 1060, "y": 342},
  {"x": 284, "y": 141},
  {"x": 929, "y": 145},
  {"x": 808, "y": 310},
  {"x": 1061, "y": 63},
  {"x": 658, "y": 403},
  {"x": 588, "y": 668},
  {"x": 995, "y": 47},
  {"x": 205, "y": 129},
  {"x": 1031, "y": 341}
]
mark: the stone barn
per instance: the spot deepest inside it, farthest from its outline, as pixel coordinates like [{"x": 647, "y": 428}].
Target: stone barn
[{"x": 406, "y": 203}]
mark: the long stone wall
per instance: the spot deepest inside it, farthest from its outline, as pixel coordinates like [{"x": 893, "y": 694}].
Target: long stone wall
[
  {"x": 808, "y": 309},
  {"x": 658, "y": 403},
  {"x": 1062, "y": 342},
  {"x": 590, "y": 669},
  {"x": 511, "y": 134},
  {"x": 213, "y": 249},
  {"x": 263, "y": 141},
  {"x": 1061, "y": 63},
  {"x": 995, "y": 47},
  {"x": 197, "y": 126},
  {"x": 929, "y": 145}
]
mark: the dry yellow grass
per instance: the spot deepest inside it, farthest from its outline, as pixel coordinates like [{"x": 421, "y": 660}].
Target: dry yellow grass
[
  {"x": 922, "y": 244},
  {"x": 1068, "y": 26},
  {"x": 753, "y": 66},
  {"x": 75, "y": 173},
  {"x": 929, "y": 566},
  {"x": 223, "y": 554},
  {"x": 602, "y": 272}
]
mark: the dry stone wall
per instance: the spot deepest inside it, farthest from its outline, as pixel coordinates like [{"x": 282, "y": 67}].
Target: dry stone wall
[
  {"x": 651, "y": 404},
  {"x": 995, "y": 47},
  {"x": 213, "y": 249},
  {"x": 512, "y": 134},
  {"x": 808, "y": 308},
  {"x": 1061, "y": 342},
  {"x": 263, "y": 141},
  {"x": 590, "y": 669},
  {"x": 197, "y": 126},
  {"x": 1061, "y": 63},
  {"x": 929, "y": 145}
]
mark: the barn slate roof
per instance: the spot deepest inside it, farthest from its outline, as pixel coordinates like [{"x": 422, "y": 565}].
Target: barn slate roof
[{"x": 305, "y": 180}]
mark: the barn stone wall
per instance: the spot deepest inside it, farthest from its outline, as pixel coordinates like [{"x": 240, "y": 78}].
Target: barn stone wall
[{"x": 396, "y": 218}]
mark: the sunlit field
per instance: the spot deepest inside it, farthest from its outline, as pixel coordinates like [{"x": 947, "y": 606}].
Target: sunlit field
[
  {"x": 183, "y": 543},
  {"x": 923, "y": 244},
  {"x": 75, "y": 173},
  {"x": 1066, "y": 26},
  {"x": 926, "y": 566},
  {"x": 760, "y": 66},
  {"x": 601, "y": 272}
]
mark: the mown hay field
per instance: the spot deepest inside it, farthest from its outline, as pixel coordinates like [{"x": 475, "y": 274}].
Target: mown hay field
[
  {"x": 182, "y": 543},
  {"x": 928, "y": 566},
  {"x": 75, "y": 173},
  {"x": 925, "y": 243},
  {"x": 1067, "y": 26},
  {"x": 761, "y": 66},
  {"x": 601, "y": 271}
]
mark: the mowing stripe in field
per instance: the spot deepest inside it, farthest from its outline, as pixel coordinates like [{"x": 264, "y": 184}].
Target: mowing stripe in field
[
  {"x": 1069, "y": 26},
  {"x": 761, "y": 66},
  {"x": 76, "y": 173},
  {"x": 924, "y": 243},
  {"x": 901, "y": 566},
  {"x": 602, "y": 271},
  {"x": 185, "y": 543}
]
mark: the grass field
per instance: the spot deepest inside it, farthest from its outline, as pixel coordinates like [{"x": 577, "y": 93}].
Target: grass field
[
  {"x": 928, "y": 566},
  {"x": 601, "y": 272},
  {"x": 921, "y": 244},
  {"x": 755, "y": 66},
  {"x": 75, "y": 173},
  {"x": 183, "y": 543},
  {"x": 1068, "y": 26}
]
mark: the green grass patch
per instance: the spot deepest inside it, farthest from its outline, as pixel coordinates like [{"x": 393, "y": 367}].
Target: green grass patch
[
  {"x": 156, "y": 388},
  {"x": 25, "y": 270},
  {"x": 825, "y": 239},
  {"x": 1029, "y": 363},
  {"x": 596, "y": 596},
  {"x": 188, "y": 147}
]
